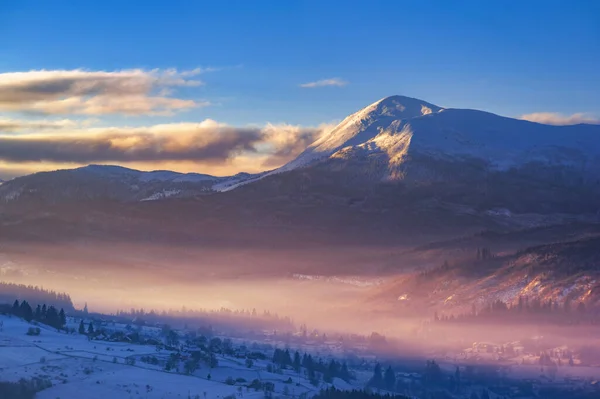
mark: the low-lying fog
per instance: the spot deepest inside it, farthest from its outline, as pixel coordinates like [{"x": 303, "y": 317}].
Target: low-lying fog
[
  {"x": 288, "y": 283},
  {"x": 315, "y": 288}
]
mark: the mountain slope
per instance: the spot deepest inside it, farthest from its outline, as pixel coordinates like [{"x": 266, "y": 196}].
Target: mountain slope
[
  {"x": 400, "y": 133},
  {"x": 464, "y": 161},
  {"x": 364, "y": 125},
  {"x": 412, "y": 141},
  {"x": 555, "y": 271}
]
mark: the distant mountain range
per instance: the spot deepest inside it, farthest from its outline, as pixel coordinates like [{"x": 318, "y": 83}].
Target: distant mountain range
[{"x": 110, "y": 182}]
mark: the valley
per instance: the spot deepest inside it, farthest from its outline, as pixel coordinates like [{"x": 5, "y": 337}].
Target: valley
[{"x": 452, "y": 235}]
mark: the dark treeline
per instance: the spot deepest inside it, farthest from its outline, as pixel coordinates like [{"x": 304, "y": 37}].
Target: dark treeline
[
  {"x": 433, "y": 382},
  {"x": 431, "y": 376},
  {"x": 24, "y": 389},
  {"x": 247, "y": 323},
  {"x": 333, "y": 393},
  {"x": 530, "y": 310},
  {"x": 381, "y": 380},
  {"x": 315, "y": 369},
  {"x": 48, "y": 315},
  {"x": 224, "y": 319},
  {"x": 9, "y": 292}
]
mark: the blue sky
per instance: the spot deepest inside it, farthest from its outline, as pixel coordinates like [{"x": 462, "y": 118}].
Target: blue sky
[{"x": 506, "y": 57}]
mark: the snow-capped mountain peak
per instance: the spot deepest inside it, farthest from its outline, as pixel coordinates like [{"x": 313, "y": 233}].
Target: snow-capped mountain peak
[
  {"x": 400, "y": 137},
  {"x": 364, "y": 125}
]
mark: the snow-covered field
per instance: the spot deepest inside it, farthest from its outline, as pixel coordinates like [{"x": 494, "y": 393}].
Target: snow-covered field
[{"x": 79, "y": 368}]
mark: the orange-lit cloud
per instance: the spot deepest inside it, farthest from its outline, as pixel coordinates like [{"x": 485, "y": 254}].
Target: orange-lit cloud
[
  {"x": 129, "y": 92},
  {"x": 287, "y": 141},
  {"x": 178, "y": 146}
]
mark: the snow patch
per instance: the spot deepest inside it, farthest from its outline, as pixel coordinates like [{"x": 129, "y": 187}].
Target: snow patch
[
  {"x": 161, "y": 195},
  {"x": 358, "y": 282}
]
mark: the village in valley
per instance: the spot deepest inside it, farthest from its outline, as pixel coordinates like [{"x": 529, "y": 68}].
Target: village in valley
[{"x": 235, "y": 354}]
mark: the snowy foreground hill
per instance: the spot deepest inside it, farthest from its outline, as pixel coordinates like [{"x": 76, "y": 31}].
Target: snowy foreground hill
[
  {"x": 92, "y": 369},
  {"x": 108, "y": 364}
]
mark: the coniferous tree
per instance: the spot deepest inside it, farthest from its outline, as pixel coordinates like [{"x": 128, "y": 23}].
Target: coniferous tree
[
  {"x": 377, "y": 379},
  {"x": 305, "y": 360},
  {"x": 81, "y": 327},
  {"x": 457, "y": 378},
  {"x": 16, "y": 309},
  {"x": 38, "y": 313},
  {"x": 331, "y": 371},
  {"x": 390, "y": 379},
  {"x": 52, "y": 318},
  {"x": 334, "y": 368},
  {"x": 297, "y": 362},
  {"x": 310, "y": 367},
  {"x": 287, "y": 358},
  {"x": 344, "y": 373},
  {"x": 90, "y": 328},
  {"x": 25, "y": 311},
  {"x": 62, "y": 317},
  {"x": 433, "y": 373},
  {"x": 277, "y": 356}
]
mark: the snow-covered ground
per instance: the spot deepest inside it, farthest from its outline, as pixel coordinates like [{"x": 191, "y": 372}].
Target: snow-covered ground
[{"x": 79, "y": 368}]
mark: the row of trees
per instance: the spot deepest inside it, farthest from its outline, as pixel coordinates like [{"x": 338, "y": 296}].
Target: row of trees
[
  {"x": 314, "y": 369},
  {"x": 533, "y": 309},
  {"x": 224, "y": 318},
  {"x": 381, "y": 380},
  {"x": 34, "y": 294},
  {"x": 23, "y": 389},
  {"x": 431, "y": 377},
  {"x": 44, "y": 314},
  {"x": 90, "y": 328},
  {"x": 333, "y": 393},
  {"x": 484, "y": 254}
]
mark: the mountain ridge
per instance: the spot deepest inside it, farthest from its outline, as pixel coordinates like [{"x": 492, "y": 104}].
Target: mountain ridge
[
  {"x": 111, "y": 182},
  {"x": 463, "y": 157},
  {"x": 385, "y": 130}
]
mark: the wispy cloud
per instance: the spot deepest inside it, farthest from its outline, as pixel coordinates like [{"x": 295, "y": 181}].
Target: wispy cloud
[
  {"x": 16, "y": 125},
  {"x": 325, "y": 82},
  {"x": 130, "y": 92},
  {"x": 551, "y": 118}
]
